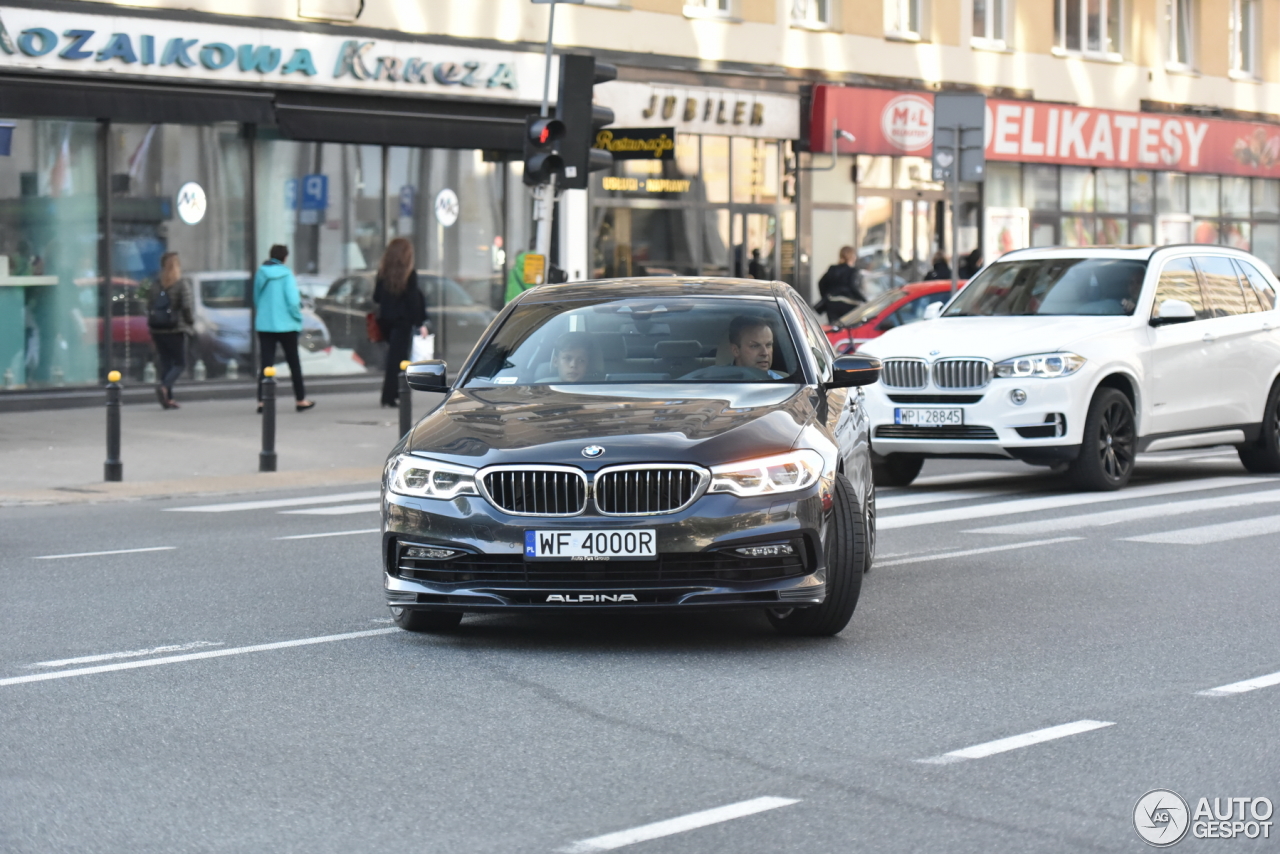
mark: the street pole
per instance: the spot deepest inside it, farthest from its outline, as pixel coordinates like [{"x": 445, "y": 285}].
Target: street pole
[
  {"x": 544, "y": 195},
  {"x": 113, "y": 469},
  {"x": 955, "y": 211}
]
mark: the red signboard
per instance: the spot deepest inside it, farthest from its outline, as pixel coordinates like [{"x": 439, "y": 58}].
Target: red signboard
[{"x": 888, "y": 122}]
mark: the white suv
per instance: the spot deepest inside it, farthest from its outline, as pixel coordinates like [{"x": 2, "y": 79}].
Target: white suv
[{"x": 1082, "y": 358}]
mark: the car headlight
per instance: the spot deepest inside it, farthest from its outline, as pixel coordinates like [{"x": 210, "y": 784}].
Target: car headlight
[
  {"x": 1042, "y": 365},
  {"x": 767, "y": 475},
  {"x": 423, "y": 478}
]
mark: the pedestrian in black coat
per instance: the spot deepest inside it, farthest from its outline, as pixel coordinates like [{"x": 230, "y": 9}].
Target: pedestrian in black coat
[
  {"x": 841, "y": 286},
  {"x": 940, "y": 269},
  {"x": 402, "y": 311},
  {"x": 170, "y": 321}
]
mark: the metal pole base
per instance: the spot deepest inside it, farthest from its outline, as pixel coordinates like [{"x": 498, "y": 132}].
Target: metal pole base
[
  {"x": 266, "y": 461},
  {"x": 113, "y": 472}
]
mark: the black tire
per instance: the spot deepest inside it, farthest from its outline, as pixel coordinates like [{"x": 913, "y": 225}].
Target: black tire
[
  {"x": 897, "y": 469},
  {"x": 846, "y": 562},
  {"x": 1263, "y": 456},
  {"x": 412, "y": 620},
  {"x": 1110, "y": 444}
]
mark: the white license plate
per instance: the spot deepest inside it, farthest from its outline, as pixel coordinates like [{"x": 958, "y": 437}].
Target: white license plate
[
  {"x": 628, "y": 544},
  {"x": 929, "y": 417}
]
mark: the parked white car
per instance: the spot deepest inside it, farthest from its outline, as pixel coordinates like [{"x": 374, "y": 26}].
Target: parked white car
[{"x": 1081, "y": 359}]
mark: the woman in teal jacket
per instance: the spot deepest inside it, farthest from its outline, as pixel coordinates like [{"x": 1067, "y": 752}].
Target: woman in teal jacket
[{"x": 279, "y": 320}]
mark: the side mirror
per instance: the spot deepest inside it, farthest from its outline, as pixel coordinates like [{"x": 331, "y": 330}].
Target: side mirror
[
  {"x": 1173, "y": 311},
  {"x": 427, "y": 376},
  {"x": 853, "y": 370},
  {"x": 933, "y": 311}
]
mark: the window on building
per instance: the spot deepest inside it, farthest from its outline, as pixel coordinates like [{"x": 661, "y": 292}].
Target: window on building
[
  {"x": 815, "y": 14},
  {"x": 1179, "y": 18},
  {"x": 1089, "y": 27},
  {"x": 989, "y": 23},
  {"x": 1244, "y": 27},
  {"x": 707, "y": 8},
  {"x": 902, "y": 18}
]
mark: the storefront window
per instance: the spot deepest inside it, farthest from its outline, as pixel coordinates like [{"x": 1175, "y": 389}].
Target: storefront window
[
  {"x": 1040, "y": 187},
  {"x": 1142, "y": 192},
  {"x": 1236, "y": 234},
  {"x": 1204, "y": 195},
  {"x": 1204, "y": 231},
  {"x": 1004, "y": 185},
  {"x": 1077, "y": 188},
  {"x": 1113, "y": 191},
  {"x": 755, "y": 171},
  {"x": 1171, "y": 192},
  {"x": 715, "y": 168},
  {"x": 1266, "y": 197},
  {"x": 1235, "y": 196},
  {"x": 875, "y": 172},
  {"x": 1266, "y": 243},
  {"x": 1077, "y": 231}
]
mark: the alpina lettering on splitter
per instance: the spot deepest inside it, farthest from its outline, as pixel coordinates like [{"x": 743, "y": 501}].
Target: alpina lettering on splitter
[{"x": 592, "y": 597}]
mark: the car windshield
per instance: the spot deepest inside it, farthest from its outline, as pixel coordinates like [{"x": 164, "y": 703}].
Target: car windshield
[
  {"x": 640, "y": 340},
  {"x": 869, "y": 310},
  {"x": 1053, "y": 286}
]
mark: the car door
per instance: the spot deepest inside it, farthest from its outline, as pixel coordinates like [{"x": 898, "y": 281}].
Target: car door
[
  {"x": 1181, "y": 395},
  {"x": 1232, "y": 334}
]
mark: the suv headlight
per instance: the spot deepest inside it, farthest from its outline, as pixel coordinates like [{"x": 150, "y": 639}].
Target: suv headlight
[
  {"x": 767, "y": 475},
  {"x": 423, "y": 478},
  {"x": 1042, "y": 366}
]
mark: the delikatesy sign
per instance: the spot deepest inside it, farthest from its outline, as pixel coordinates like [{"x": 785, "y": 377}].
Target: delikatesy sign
[
  {"x": 888, "y": 122},
  {"x": 107, "y": 45}
]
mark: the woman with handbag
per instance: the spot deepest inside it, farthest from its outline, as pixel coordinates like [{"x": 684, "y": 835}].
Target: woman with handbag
[{"x": 402, "y": 310}]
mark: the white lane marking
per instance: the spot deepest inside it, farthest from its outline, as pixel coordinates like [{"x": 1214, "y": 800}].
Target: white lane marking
[
  {"x": 671, "y": 826},
  {"x": 1205, "y": 534},
  {"x": 1013, "y": 742},
  {"x": 1242, "y": 687},
  {"x": 331, "y": 534},
  {"x": 137, "y": 653},
  {"x": 267, "y": 504},
  {"x": 1053, "y": 502},
  {"x": 963, "y": 477},
  {"x": 191, "y": 656},
  {"x": 340, "y": 510},
  {"x": 945, "y": 555},
  {"x": 112, "y": 552},
  {"x": 1133, "y": 514},
  {"x": 889, "y": 502}
]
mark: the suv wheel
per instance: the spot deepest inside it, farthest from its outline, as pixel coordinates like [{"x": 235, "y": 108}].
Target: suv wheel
[
  {"x": 897, "y": 469},
  {"x": 412, "y": 620},
  {"x": 1110, "y": 443},
  {"x": 1263, "y": 456},
  {"x": 846, "y": 556}
]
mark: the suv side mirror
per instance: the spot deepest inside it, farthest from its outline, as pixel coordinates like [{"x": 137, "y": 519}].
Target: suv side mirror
[
  {"x": 427, "y": 375},
  {"x": 933, "y": 311},
  {"x": 854, "y": 370},
  {"x": 1173, "y": 311}
]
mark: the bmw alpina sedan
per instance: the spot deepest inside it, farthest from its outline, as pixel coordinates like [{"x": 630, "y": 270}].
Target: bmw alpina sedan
[{"x": 622, "y": 445}]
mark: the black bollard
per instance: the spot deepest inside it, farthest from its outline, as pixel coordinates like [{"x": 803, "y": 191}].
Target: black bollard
[
  {"x": 113, "y": 469},
  {"x": 267, "y": 457},
  {"x": 406, "y": 401}
]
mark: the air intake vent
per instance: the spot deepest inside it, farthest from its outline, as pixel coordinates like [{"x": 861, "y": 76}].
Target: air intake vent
[
  {"x": 961, "y": 373},
  {"x": 536, "y": 490},
  {"x": 647, "y": 490},
  {"x": 905, "y": 373}
]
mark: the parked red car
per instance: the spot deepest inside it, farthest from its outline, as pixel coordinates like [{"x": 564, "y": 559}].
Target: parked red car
[{"x": 895, "y": 307}]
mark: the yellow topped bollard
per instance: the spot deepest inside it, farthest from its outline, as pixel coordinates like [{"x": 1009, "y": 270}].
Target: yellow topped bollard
[
  {"x": 113, "y": 469},
  {"x": 113, "y": 377},
  {"x": 405, "y": 400},
  {"x": 404, "y": 366},
  {"x": 267, "y": 456},
  {"x": 269, "y": 371}
]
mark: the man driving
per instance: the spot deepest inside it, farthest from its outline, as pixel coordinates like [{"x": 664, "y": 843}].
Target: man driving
[{"x": 751, "y": 343}]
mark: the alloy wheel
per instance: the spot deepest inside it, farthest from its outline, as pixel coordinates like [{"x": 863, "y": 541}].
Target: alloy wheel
[{"x": 1116, "y": 441}]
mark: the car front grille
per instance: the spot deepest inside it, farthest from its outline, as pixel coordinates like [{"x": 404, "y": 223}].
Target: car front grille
[
  {"x": 536, "y": 490},
  {"x": 961, "y": 373},
  {"x": 645, "y": 490},
  {"x": 963, "y": 431},
  {"x": 691, "y": 568},
  {"x": 904, "y": 373}
]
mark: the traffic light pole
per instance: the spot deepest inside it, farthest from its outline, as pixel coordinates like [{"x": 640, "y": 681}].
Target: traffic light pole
[{"x": 544, "y": 195}]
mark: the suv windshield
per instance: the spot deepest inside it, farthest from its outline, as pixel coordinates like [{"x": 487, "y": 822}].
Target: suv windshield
[
  {"x": 649, "y": 340},
  {"x": 1053, "y": 286},
  {"x": 868, "y": 310}
]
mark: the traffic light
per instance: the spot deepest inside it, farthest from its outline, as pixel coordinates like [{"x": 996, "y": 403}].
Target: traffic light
[
  {"x": 541, "y": 136},
  {"x": 578, "y": 78}
]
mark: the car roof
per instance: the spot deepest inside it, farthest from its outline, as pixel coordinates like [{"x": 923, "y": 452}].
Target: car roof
[
  {"x": 655, "y": 286},
  {"x": 1136, "y": 253}
]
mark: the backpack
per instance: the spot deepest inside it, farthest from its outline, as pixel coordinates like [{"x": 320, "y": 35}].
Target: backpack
[{"x": 161, "y": 314}]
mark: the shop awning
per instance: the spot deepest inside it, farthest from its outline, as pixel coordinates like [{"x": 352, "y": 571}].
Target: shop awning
[{"x": 131, "y": 102}]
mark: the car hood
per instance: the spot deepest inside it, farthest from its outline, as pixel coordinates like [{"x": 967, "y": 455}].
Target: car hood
[
  {"x": 995, "y": 338},
  {"x": 696, "y": 423}
]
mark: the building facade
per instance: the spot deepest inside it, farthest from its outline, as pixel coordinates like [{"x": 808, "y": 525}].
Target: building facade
[{"x": 331, "y": 126}]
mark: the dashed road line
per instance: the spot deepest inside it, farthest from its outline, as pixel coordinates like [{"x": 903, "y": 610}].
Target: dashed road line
[
  {"x": 331, "y": 534},
  {"x": 1242, "y": 687},
  {"x": 268, "y": 504},
  {"x": 671, "y": 826},
  {"x": 1014, "y": 742},
  {"x": 912, "y": 499},
  {"x": 1205, "y": 534},
  {"x": 965, "y": 477},
  {"x": 340, "y": 510},
  {"x": 111, "y": 552},
  {"x": 966, "y": 552},
  {"x": 137, "y": 653}
]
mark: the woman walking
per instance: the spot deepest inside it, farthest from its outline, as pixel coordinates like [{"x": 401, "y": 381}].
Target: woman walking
[
  {"x": 401, "y": 310},
  {"x": 279, "y": 320},
  {"x": 169, "y": 320}
]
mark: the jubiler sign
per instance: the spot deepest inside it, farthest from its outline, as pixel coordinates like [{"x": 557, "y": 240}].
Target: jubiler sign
[{"x": 150, "y": 47}]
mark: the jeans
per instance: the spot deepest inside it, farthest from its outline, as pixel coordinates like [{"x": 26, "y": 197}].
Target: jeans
[
  {"x": 171, "y": 351},
  {"x": 288, "y": 342}
]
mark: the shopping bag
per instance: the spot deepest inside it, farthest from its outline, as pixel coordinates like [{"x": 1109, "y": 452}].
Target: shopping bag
[{"x": 423, "y": 348}]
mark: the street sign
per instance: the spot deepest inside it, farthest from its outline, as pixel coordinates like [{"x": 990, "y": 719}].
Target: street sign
[
  {"x": 952, "y": 110},
  {"x": 315, "y": 192},
  {"x": 447, "y": 207},
  {"x": 291, "y": 194},
  {"x": 408, "y": 196},
  {"x": 535, "y": 269}
]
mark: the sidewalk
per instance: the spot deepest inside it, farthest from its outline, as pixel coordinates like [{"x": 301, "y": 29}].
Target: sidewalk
[{"x": 205, "y": 447}]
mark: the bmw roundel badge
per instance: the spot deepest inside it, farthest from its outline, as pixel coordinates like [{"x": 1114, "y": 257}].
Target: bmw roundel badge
[{"x": 592, "y": 451}]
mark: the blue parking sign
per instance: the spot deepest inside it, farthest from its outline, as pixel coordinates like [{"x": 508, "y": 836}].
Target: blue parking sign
[{"x": 315, "y": 192}]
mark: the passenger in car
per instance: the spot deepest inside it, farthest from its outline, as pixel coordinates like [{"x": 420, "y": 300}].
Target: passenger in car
[
  {"x": 576, "y": 358},
  {"x": 751, "y": 343}
]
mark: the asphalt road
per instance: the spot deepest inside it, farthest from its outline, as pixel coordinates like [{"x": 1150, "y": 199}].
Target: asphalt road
[{"x": 148, "y": 702}]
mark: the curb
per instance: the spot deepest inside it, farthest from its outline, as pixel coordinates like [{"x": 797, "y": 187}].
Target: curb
[{"x": 84, "y": 397}]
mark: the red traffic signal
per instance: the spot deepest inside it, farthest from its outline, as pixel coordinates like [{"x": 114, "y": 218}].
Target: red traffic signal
[{"x": 542, "y": 136}]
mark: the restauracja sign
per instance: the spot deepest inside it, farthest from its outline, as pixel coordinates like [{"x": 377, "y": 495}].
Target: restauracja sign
[{"x": 156, "y": 47}]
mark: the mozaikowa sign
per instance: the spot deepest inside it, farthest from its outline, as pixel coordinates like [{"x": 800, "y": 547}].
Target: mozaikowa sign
[
  {"x": 638, "y": 143},
  {"x": 117, "y": 45}
]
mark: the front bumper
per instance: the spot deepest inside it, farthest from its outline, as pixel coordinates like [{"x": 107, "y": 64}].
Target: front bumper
[{"x": 695, "y": 568}]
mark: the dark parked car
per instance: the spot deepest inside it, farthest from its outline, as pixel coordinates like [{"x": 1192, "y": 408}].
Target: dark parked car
[
  {"x": 637, "y": 444},
  {"x": 456, "y": 319}
]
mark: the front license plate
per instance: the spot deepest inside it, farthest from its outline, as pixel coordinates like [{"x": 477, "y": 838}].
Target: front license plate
[
  {"x": 631, "y": 544},
  {"x": 929, "y": 417}
]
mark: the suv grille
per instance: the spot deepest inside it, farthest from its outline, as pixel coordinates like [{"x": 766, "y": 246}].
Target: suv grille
[
  {"x": 644, "y": 490},
  {"x": 671, "y": 569},
  {"x": 905, "y": 373},
  {"x": 959, "y": 431},
  {"x": 536, "y": 490},
  {"x": 961, "y": 373}
]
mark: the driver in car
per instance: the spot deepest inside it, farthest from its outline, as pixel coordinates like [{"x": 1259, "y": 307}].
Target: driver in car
[
  {"x": 574, "y": 354},
  {"x": 751, "y": 343}
]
